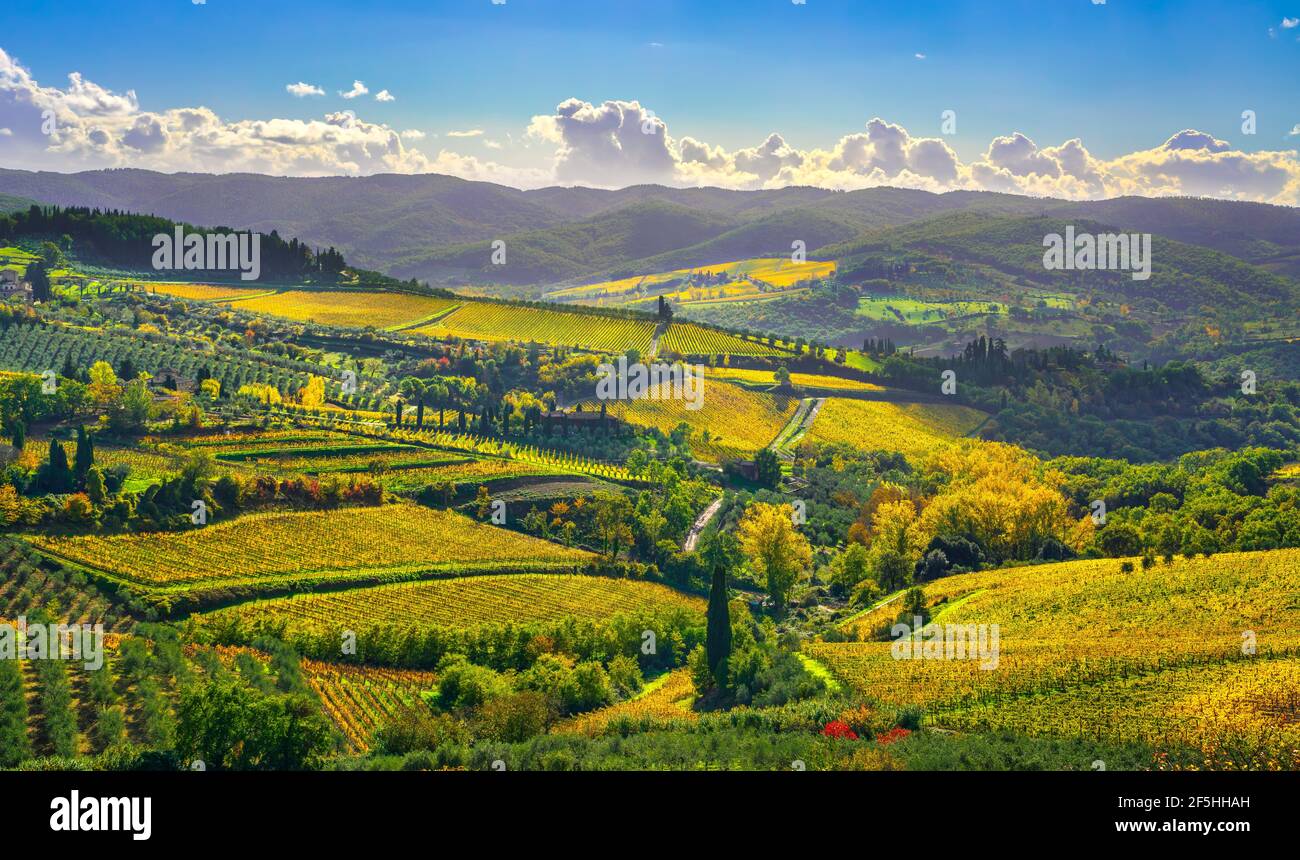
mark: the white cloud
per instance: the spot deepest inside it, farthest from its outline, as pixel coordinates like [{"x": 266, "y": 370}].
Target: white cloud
[
  {"x": 620, "y": 143},
  {"x": 385, "y": 96},
  {"x": 358, "y": 89},
  {"x": 302, "y": 90},
  {"x": 1190, "y": 138},
  {"x": 615, "y": 143},
  {"x": 1295, "y": 130},
  {"x": 919, "y": 56},
  {"x": 544, "y": 128},
  {"x": 1288, "y": 23},
  {"x": 95, "y": 127},
  {"x": 469, "y": 167}
]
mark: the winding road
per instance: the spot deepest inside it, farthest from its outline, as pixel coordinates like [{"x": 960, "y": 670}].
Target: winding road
[{"x": 693, "y": 536}]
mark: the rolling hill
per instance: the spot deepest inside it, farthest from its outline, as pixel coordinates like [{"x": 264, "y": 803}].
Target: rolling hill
[{"x": 436, "y": 227}]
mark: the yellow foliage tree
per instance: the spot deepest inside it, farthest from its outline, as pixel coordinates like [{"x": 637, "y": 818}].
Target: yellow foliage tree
[
  {"x": 775, "y": 548},
  {"x": 312, "y": 395},
  {"x": 103, "y": 383},
  {"x": 268, "y": 394},
  {"x": 1003, "y": 498}
]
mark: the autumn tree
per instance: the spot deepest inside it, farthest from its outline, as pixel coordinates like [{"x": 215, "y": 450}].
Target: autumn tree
[
  {"x": 776, "y": 550},
  {"x": 610, "y": 517},
  {"x": 312, "y": 395}
]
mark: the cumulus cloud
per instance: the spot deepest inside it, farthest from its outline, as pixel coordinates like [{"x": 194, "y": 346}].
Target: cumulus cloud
[
  {"x": 385, "y": 96},
  {"x": 612, "y": 144},
  {"x": 1190, "y": 138},
  {"x": 621, "y": 143},
  {"x": 358, "y": 89},
  {"x": 469, "y": 167},
  {"x": 86, "y": 126},
  {"x": 615, "y": 143},
  {"x": 302, "y": 90}
]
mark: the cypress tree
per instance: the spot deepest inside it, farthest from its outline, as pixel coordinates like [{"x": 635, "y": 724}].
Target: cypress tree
[
  {"x": 85, "y": 455},
  {"x": 717, "y": 643},
  {"x": 58, "y": 477}
]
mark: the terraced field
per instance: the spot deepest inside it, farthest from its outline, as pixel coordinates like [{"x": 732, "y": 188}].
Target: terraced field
[
  {"x": 330, "y": 545},
  {"x": 733, "y": 422},
  {"x": 912, "y": 429},
  {"x": 468, "y": 601}
]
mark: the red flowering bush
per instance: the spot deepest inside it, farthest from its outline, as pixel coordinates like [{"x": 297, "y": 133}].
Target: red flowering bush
[
  {"x": 839, "y": 729},
  {"x": 892, "y": 735}
]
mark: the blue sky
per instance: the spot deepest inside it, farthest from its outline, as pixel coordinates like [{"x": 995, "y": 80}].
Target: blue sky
[{"x": 1122, "y": 76}]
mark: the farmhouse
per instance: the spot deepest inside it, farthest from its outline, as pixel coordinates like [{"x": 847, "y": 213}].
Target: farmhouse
[
  {"x": 173, "y": 380},
  {"x": 12, "y": 285},
  {"x": 580, "y": 419}
]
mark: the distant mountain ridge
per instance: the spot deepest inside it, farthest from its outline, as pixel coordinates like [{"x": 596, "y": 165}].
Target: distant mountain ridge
[{"x": 440, "y": 228}]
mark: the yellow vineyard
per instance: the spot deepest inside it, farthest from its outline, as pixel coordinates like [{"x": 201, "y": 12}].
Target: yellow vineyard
[
  {"x": 667, "y": 697},
  {"x": 491, "y": 321},
  {"x": 1181, "y": 653},
  {"x": 690, "y": 339},
  {"x": 204, "y": 292},
  {"x": 336, "y": 543},
  {"x": 799, "y": 380},
  {"x": 468, "y": 601},
  {"x": 348, "y": 309},
  {"x": 742, "y": 279},
  {"x": 912, "y": 429},
  {"x": 361, "y": 699},
  {"x": 733, "y": 422}
]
